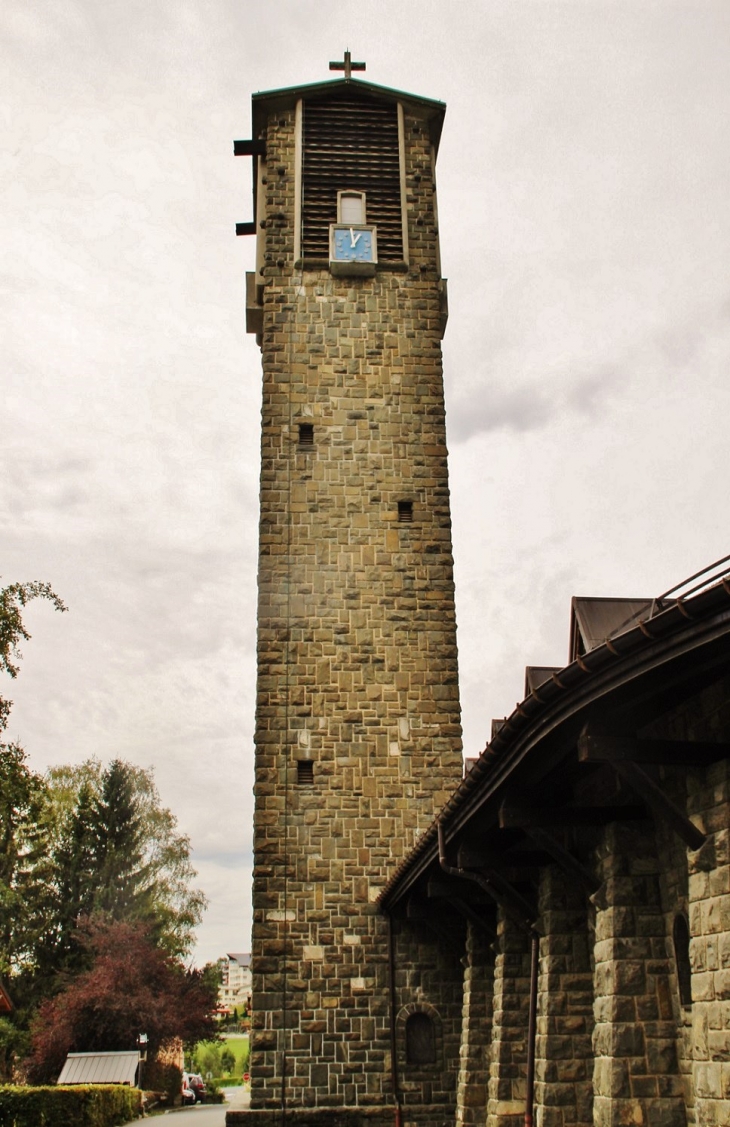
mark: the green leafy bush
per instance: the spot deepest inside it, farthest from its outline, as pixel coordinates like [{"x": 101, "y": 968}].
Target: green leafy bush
[
  {"x": 213, "y": 1092},
  {"x": 207, "y": 1060},
  {"x": 78, "y": 1105}
]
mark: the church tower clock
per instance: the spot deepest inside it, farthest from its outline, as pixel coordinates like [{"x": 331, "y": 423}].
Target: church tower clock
[{"x": 358, "y": 738}]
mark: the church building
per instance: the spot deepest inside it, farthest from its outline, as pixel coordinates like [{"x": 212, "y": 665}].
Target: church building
[{"x": 546, "y": 938}]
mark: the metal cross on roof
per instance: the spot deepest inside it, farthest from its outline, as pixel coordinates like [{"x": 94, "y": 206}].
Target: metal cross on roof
[{"x": 347, "y": 65}]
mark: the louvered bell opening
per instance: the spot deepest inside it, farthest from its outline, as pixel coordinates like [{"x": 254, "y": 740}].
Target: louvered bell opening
[
  {"x": 351, "y": 143},
  {"x": 405, "y": 512}
]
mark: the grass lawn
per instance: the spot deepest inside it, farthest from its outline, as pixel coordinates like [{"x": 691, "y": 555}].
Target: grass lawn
[{"x": 237, "y": 1044}]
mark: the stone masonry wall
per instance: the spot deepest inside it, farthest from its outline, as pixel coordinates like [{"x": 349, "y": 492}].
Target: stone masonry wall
[
  {"x": 709, "y": 888},
  {"x": 508, "y": 1052},
  {"x": 698, "y": 883},
  {"x": 429, "y": 982},
  {"x": 636, "y": 1075},
  {"x": 564, "y": 1055},
  {"x": 357, "y": 670},
  {"x": 476, "y": 1031}
]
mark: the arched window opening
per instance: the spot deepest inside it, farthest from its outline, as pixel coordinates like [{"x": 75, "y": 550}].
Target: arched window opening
[
  {"x": 420, "y": 1040},
  {"x": 680, "y": 935}
]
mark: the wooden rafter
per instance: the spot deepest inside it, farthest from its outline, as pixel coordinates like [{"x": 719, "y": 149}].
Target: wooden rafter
[{"x": 595, "y": 747}]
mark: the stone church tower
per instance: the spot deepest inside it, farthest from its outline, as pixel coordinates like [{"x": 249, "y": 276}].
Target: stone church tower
[{"x": 358, "y": 739}]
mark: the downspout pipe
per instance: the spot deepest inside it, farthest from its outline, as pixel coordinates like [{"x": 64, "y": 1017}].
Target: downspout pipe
[
  {"x": 469, "y": 874},
  {"x": 393, "y": 1039},
  {"x": 532, "y": 1029}
]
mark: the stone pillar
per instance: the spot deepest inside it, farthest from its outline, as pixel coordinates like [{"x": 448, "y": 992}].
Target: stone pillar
[
  {"x": 476, "y": 1029},
  {"x": 564, "y": 1056},
  {"x": 709, "y": 899},
  {"x": 636, "y": 1080},
  {"x": 508, "y": 1054}
]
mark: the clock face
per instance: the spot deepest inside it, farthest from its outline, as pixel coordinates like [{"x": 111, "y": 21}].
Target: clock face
[{"x": 353, "y": 244}]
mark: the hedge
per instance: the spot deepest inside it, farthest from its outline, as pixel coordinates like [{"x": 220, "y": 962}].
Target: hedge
[{"x": 77, "y": 1105}]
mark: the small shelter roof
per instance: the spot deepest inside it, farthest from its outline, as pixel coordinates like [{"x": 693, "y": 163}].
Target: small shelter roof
[{"x": 100, "y": 1068}]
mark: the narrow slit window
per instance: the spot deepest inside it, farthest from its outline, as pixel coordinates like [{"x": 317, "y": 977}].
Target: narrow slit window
[
  {"x": 306, "y": 434},
  {"x": 305, "y": 773},
  {"x": 405, "y": 512}
]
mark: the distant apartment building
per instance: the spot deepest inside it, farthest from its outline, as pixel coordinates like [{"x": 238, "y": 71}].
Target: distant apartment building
[{"x": 235, "y": 988}]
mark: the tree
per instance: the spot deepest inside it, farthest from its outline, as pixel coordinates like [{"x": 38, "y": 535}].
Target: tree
[
  {"x": 207, "y": 1060},
  {"x": 13, "y": 599},
  {"x": 25, "y": 869},
  {"x": 123, "y": 886},
  {"x": 71, "y": 887},
  {"x": 117, "y": 851},
  {"x": 131, "y": 987}
]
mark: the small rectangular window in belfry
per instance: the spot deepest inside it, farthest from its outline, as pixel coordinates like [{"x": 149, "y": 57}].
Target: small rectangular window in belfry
[
  {"x": 405, "y": 511},
  {"x": 306, "y": 434},
  {"x": 350, "y": 207},
  {"x": 305, "y": 773}
]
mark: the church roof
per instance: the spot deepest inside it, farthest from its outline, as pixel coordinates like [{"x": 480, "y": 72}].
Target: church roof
[
  {"x": 633, "y": 662},
  {"x": 268, "y": 101}
]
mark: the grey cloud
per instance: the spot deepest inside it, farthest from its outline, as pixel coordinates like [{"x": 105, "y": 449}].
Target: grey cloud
[
  {"x": 523, "y": 409},
  {"x": 530, "y": 407}
]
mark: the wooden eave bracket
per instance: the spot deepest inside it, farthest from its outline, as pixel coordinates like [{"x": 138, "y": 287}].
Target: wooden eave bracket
[
  {"x": 467, "y": 904},
  {"x": 515, "y": 815},
  {"x": 474, "y": 917},
  {"x": 417, "y": 911},
  {"x": 497, "y": 888},
  {"x": 531, "y": 820},
  {"x": 566, "y": 861},
  {"x": 446, "y": 890},
  {"x": 657, "y": 800},
  {"x": 623, "y": 752},
  {"x": 595, "y": 747}
]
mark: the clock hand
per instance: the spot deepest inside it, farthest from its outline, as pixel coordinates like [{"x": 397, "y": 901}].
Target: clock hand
[{"x": 354, "y": 237}]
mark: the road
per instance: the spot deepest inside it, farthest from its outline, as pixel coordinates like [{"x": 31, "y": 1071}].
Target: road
[{"x": 206, "y": 1115}]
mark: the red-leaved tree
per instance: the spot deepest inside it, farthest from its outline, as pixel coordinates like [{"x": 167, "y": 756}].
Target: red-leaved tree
[{"x": 131, "y": 987}]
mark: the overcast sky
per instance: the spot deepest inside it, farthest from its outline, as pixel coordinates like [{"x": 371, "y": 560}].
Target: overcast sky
[{"x": 583, "y": 202}]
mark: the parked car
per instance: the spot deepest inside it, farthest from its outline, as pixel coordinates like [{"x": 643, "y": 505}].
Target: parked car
[
  {"x": 188, "y": 1092},
  {"x": 196, "y": 1082}
]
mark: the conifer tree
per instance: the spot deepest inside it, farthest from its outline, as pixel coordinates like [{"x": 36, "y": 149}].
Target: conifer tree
[{"x": 122, "y": 885}]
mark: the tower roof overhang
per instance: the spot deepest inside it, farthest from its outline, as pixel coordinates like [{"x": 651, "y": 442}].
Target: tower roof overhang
[{"x": 271, "y": 101}]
